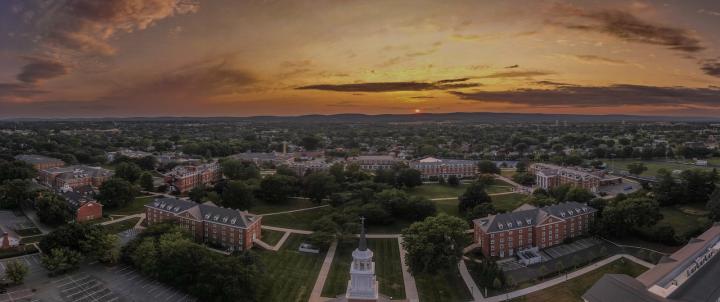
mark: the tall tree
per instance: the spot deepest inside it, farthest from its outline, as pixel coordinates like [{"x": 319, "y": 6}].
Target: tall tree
[
  {"x": 116, "y": 193},
  {"x": 237, "y": 195},
  {"x": 488, "y": 167},
  {"x": 239, "y": 170},
  {"x": 13, "y": 193},
  {"x": 434, "y": 244},
  {"x": 16, "y": 271},
  {"x": 713, "y": 205},
  {"x": 474, "y": 195},
  {"x": 128, "y": 171},
  {"x": 318, "y": 186},
  {"x": 146, "y": 181},
  {"x": 622, "y": 216},
  {"x": 636, "y": 168},
  {"x": 277, "y": 188},
  {"x": 53, "y": 210}
]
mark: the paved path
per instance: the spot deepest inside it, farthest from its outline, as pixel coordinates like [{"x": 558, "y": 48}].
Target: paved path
[
  {"x": 411, "y": 292},
  {"x": 142, "y": 216},
  {"x": 555, "y": 281},
  {"x": 279, "y": 229},
  {"x": 32, "y": 215},
  {"x": 316, "y": 295},
  {"x": 293, "y": 211}
]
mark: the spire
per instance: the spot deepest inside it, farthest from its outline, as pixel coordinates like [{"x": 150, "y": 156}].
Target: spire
[{"x": 363, "y": 242}]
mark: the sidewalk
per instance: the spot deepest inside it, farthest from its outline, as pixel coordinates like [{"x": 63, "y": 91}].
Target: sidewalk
[
  {"x": 316, "y": 295},
  {"x": 411, "y": 292}
]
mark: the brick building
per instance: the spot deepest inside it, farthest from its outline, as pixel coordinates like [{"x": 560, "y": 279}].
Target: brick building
[
  {"x": 444, "y": 168},
  {"x": 375, "y": 162},
  {"x": 74, "y": 176},
  {"x": 228, "y": 228},
  {"x": 548, "y": 176},
  {"x": 82, "y": 202},
  {"x": 185, "y": 178},
  {"x": 40, "y": 162},
  {"x": 528, "y": 227}
]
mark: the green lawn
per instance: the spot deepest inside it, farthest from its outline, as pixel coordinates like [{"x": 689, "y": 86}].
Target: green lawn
[
  {"x": 262, "y": 207},
  {"x": 443, "y": 191},
  {"x": 28, "y": 232},
  {"x": 271, "y": 237},
  {"x": 509, "y": 173},
  {"x": 653, "y": 166},
  {"x": 124, "y": 225},
  {"x": 290, "y": 275},
  {"x": 388, "y": 269},
  {"x": 507, "y": 202},
  {"x": 448, "y": 206},
  {"x": 443, "y": 286},
  {"x": 297, "y": 220},
  {"x": 135, "y": 207},
  {"x": 572, "y": 290},
  {"x": 680, "y": 219}
]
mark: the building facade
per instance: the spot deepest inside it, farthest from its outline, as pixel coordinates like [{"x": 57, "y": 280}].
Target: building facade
[
  {"x": 185, "y": 178},
  {"x": 74, "y": 176},
  {"x": 375, "y": 162},
  {"x": 527, "y": 227},
  {"x": 40, "y": 162},
  {"x": 431, "y": 167},
  {"x": 82, "y": 202},
  {"x": 230, "y": 229},
  {"x": 548, "y": 176}
]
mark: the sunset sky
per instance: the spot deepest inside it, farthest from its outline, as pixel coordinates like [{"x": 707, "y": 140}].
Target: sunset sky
[{"x": 71, "y": 58}]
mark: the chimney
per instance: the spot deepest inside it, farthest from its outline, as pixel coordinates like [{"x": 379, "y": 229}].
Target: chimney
[{"x": 5, "y": 241}]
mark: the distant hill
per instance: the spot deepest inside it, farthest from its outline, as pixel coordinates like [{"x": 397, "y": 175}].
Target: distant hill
[{"x": 469, "y": 117}]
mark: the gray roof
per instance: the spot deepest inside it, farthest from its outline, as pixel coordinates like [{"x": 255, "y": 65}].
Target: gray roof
[
  {"x": 207, "y": 211},
  {"x": 619, "y": 288},
  {"x": 527, "y": 215},
  {"x": 76, "y": 199},
  {"x": 171, "y": 204},
  {"x": 36, "y": 159}
]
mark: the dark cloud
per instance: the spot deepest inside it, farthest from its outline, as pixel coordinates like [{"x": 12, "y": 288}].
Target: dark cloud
[
  {"x": 39, "y": 69},
  {"x": 422, "y": 97},
  {"x": 601, "y": 96},
  {"x": 711, "y": 67},
  {"x": 393, "y": 86},
  {"x": 18, "y": 90},
  {"x": 512, "y": 66},
  {"x": 516, "y": 74},
  {"x": 628, "y": 27},
  {"x": 553, "y": 83},
  {"x": 599, "y": 59}
]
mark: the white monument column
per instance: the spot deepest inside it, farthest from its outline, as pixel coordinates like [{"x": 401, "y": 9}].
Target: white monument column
[{"x": 362, "y": 285}]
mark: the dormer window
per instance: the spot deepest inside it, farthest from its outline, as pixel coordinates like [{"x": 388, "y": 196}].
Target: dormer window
[
  {"x": 207, "y": 216},
  {"x": 500, "y": 226},
  {"x": 225, "y": 219},
  {"x": 233, "y": 220}
]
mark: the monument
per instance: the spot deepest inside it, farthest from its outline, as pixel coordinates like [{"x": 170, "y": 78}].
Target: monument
[{"x": 363, "y": 286}]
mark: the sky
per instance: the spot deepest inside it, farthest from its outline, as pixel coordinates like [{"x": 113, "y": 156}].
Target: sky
[{"x": 112, "y": 58}]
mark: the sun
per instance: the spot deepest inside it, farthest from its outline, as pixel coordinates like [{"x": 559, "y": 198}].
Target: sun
[{"x": 417, "y": 110}]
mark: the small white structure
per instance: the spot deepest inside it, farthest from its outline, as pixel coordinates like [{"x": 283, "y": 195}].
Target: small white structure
[
  {"x": 308, "y": 248},
  {"x": 363, "y": 286},
  {"x": 529, "y": 256}
]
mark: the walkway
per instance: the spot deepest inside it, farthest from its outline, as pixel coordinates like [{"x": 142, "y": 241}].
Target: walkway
[
  {"x": 142, "y": 216},
  {"x": 293, "y": 211},
  {"x": 411, "y": 292},
  {"x": 279, "y": 229},
  {"x": 316, "y": 295},
  {"x": 552, "y": 282}
]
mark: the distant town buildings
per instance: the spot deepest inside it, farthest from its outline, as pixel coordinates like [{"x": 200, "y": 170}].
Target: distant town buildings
[
  {"x": 185, "y": 178},
  {"x": 431, "y": 167},
  {"x": 529, "y": 227},
  {"x": 228, "y": 228},
  {"x": 40, "y": 162},
  {"x": 74, "y": 176},
  {"x": 127, "y": 153},
  {"x": 690, "y": 274}
]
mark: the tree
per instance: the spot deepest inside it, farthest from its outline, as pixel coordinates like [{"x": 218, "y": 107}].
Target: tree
[
  {"x": 237, "y": 195},
  {"x": 197, "y": 193},
  {"x": 278, "y": 188},
  {"x": 147, "y": 163},
  {"x": 579, "y": 194},
  {"x": 620, "y": 217},
  {"x": 61, "y": 260},
  {"x": 434, "y": 244},
  {"x": 666, "y": 190},
  {"x": 15, "y": 169},
  {"x": 310, "y": 142},
  {"x": 488, "y": 167},
  {"x": 474, "y": 195},
  {"x": 525, "y": 179},
  {"x": 317, "y": 186},
  {"x": 116, "y": 193},
  {"x": 636, "y": 168},
  {"x": 128, "y": 171},
  {"x": 481, "y": 210},
  {"x": 53, "y": 210},
  {"x": 713, "y": 205},
  {"x": 453, "y": 181},
  {"x": 146, "y": 181},
  {"x": 16, "y": 271},
  {"x": 521, "y": 166},
  {"x": 239, "y": 170},
  {"x": 409, "y": 178},
  {"x": 13, "y": 193}
]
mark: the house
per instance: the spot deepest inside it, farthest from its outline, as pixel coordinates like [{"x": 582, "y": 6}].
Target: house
[
  {"x": 689, "y": 274},
  {"x": 229, "y": 228},
  {"x": 40, "y": 162},
  {"x": 431, "y": 167},
  {"x": 82, "y": 202},
  {"x": 74, "y": 176},
  {"x": 529, "y": 227},
  {"x": 185, "y": 178}
]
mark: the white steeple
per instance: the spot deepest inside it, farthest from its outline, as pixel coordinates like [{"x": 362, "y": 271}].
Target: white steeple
[{"x": 362, "y": 285}]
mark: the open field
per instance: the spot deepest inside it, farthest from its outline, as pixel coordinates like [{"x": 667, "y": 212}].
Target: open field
[
  {"x": 653, "y": 166},
  {"x": 137, "y": 206},
  {"x": 118, "y": 227},
  {"x": 572, "y": 290},
  {"x": 290, "y": 274},
  {"x": 681, "y": 220},
  {"x": 507, "y": 202},
  {"x": 442, "y": 286},
  {"x": 387, "y": 268},
  {"x": 262, "y": 207},
  {"x": 271, "y": 237},
  {"x": 442, "y": 191},
  {"x": 297, "y": 220}
]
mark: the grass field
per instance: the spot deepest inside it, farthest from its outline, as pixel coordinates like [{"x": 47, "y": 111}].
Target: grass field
[
  {"x": 118, "y": 227},
  {"x": 507, "y": 202},
  {"x": 271, "y": 237},
  {"x": 443, "y": 286},
  {"x": 290, "y": 275},
  {"x": 680, "y": 219},
  {"x": 572, "y": 290},
  {"x": 448, "y": 206},
  {"x": 297, "y": 220},
  {"x": 653, "y": 166},
  {"x": 137, "y": 206},
  {"x": 508, "y": 172},
  {"x": 388, "y": 269},
  {"x": 262, "y": 207},
  {"x": 442, "y": 191}
]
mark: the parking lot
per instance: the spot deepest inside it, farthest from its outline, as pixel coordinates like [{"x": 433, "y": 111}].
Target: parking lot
[
  {"x": 84, "y": 288},
  {"x": 33, "y": 263},
  {"x": 135, "y": 287}
]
